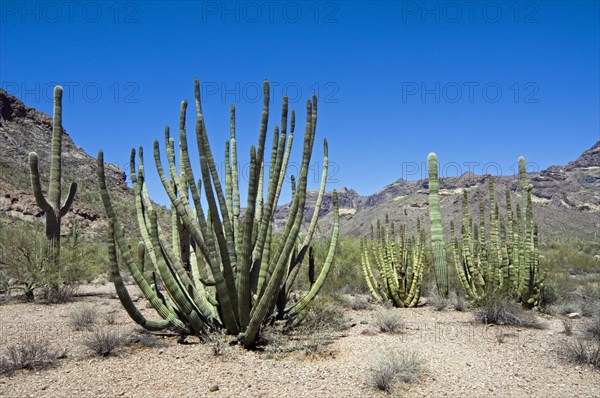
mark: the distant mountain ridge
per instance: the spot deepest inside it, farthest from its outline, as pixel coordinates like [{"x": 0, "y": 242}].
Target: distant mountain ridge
[{"x": 566, "y": 198}]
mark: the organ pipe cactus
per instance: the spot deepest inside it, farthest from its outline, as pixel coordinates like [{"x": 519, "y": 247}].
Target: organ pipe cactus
[
  {"x": 502, "y": 258},
  {"x": 437, "y": 234},
  {"x": 52, "y": 205},
  {"x": 399, "y": 262},
  {"x": 221, "y": 270}
]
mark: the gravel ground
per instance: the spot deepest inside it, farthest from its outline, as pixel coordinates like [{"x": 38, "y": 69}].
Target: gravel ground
[{"x": 460, "y": 358}]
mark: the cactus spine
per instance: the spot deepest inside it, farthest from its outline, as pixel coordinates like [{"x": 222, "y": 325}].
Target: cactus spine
[
  {"x": 236, "y": 272},
  {"x": 437, "y": 234},
  {"x": 52, "y": 206},
  {"x": 399, "y": 263}
]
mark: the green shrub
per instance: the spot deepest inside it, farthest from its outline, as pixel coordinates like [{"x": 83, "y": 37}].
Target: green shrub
[
  {"x": 24, "y": 257},
  {"x": 324, "y": 313}
]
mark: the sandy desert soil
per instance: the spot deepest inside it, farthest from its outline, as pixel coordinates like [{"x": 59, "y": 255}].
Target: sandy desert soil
[{"x": 461, "y": 358}]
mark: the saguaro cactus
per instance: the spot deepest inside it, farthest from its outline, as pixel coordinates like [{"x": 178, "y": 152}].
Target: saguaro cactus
[
  {"x": 52, "y": 206},
  {"x": 437, "y": 234},
  {"x": 236, "y": 271}
]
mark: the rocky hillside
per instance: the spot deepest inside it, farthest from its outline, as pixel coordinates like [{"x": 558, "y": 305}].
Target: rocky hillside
[
  {"x": 24, "y": 129},
  {"x": 566, "y": 198}
]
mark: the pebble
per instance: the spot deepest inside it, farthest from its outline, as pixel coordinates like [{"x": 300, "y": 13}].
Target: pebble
[{"x": 213, "y": 388}]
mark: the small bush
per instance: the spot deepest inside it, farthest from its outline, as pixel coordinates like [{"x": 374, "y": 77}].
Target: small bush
[
  {"x": 103, "y": 341},
  {"x": 83, "y": 318},
  {"x": 33, "y": 354},
  {"x": 502, "y": 311},
  {"x": 565, "y": 308},
  {"x": 438, "y": 302},
  {"x": 61, "y": 294},
  {"x": 459, "y": 303},
  {"x": 389, "y": 322},
  {"x": 324, "y": 314},
  {"x": 592, "y": 330},
  {"x": 582, "y": 352},
  {"x": 359, "y": 303},
  {"x": 403, "y": 366},
  {"x": 110, "y": 317},
  {"x": 585, "y": 305},
  {"x": 549, "y": 295},
  {"x": 568, "y": 327}
]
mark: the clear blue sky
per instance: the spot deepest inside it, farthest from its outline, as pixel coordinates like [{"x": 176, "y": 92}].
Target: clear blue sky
[{"x": 478, "y": 85}]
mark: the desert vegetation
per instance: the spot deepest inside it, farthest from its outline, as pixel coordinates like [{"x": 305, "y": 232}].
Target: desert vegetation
[{"x": 221, "y": 281}]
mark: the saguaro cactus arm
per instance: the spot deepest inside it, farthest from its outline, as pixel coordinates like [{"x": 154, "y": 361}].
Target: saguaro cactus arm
[{"x": 36, "y": 184}]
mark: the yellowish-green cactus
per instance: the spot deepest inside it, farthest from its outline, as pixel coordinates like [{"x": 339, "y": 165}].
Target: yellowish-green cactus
[
  {"x": 399, "y": 262},
  {"x": 507, "y": 261},
  {"x": 226, "y": 272}
]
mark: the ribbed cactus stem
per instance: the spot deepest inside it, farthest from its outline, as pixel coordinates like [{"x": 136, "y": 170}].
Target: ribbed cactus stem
[
  {"x": 239, "y": 260},
  {"x": 437, "y": 234},
  {"x": 52, "y": 206}
]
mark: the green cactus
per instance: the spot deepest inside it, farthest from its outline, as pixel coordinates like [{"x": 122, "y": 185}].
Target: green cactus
[
  {"x": 399, "y": 262},
  {"x": 437, "y": 234},
  {"x": 507, "y": 261},
  {"x": 235, "y": 272},
  {"x": 52, "y": 206}
]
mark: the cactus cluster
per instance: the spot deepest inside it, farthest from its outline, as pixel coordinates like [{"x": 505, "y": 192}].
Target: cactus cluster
[
  {"x": 222, "y": 270},
  {"x": 399, "y": 263},
  {"x": 52, "y": 206},
  {"x": 501, "y": 257}
]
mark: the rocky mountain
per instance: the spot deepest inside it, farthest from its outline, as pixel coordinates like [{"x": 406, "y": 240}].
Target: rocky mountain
[
  {"x": 24, "y": 129},
  {"x": 566, "y": 198}
]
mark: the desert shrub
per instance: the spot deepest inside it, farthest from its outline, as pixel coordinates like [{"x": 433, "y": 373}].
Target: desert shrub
[
  {"x": 501, "y": 310},
  {"x": 576, "y": 256},
  {"x": 439, "y": 303},
  {"x": 401, "y": 366},
  {"x": 582, "y": 352},
  {"x": 83, "y": 318},
  {"x": 459, "y": 302},
  {"x": 549, "y": 295},
  {"x": 359, "y": 303},
  {"x": 592, "y": 329},
  {"x": 346, "y": 274},
  {"x": 64, "y": 293},
  {"x": 324, "y": 313},
  {"x": 110, "y": 317},
  {"x": 25, "y": 257},
  {"x": 567, "y": 327},
  {"x": 103, "y": 341},
  {"x": 31, "y": 354},
  {"x": 389, "y": 322}
]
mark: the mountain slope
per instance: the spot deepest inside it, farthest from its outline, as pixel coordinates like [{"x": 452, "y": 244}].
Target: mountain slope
[
  {"x": 566, "y": 198},
  {"x": 24, "y": 129}
]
